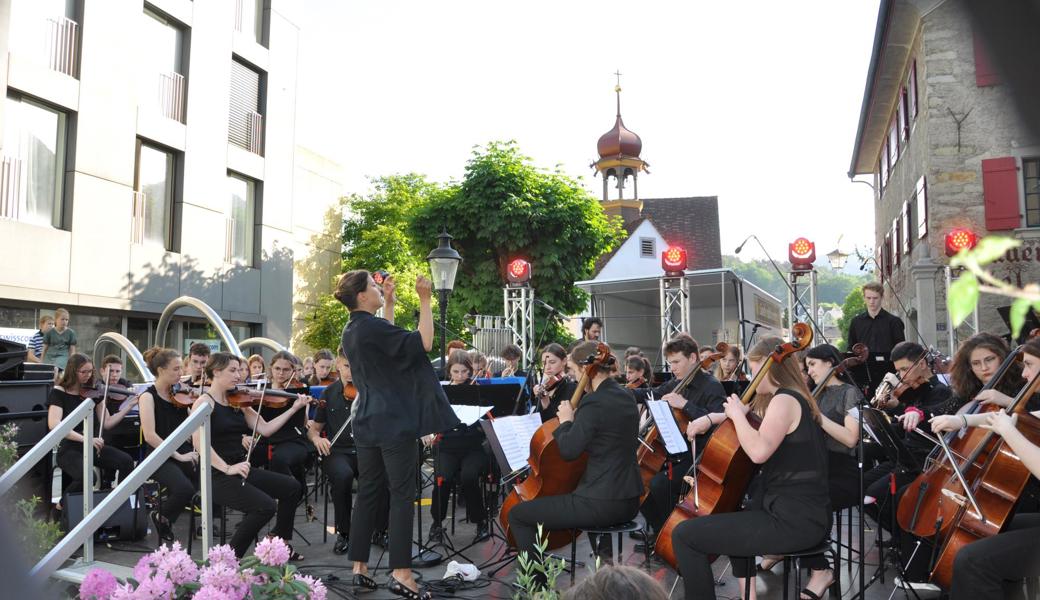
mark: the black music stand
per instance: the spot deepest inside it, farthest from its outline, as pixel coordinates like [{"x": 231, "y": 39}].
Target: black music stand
[{"x": 871, "y": 372}]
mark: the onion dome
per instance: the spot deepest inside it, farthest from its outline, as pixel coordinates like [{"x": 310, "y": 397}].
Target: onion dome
[{"x": 619, "y": 141}]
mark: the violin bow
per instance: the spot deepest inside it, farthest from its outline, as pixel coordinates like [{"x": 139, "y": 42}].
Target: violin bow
[{"x": 252, "y": 437}]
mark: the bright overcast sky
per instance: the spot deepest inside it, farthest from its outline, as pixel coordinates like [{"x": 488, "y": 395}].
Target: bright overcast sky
[{"x": 755, "y": 102}]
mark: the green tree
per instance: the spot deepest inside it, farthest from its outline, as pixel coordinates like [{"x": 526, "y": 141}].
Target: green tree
[{"x": 853, "y": 306}]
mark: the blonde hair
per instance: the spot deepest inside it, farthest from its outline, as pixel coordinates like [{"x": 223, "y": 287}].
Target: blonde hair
[
  {"x": 60, "y": 311},
  {"x": 784, "y": 375}
]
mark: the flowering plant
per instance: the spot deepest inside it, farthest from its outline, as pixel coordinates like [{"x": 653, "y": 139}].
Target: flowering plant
[{"x": 169, "y": 573}]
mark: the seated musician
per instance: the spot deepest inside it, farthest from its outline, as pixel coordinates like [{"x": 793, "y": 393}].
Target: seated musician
[
  {"x": 459, "y": 456},
  {"x": 605, "y": 425},
  {"x": 77, "y": 382},
  {"x": 704, "y": 395},
  {"x": 549, "y": 392},
  {"x": 974, "y": 364},
  {"x": 728, "y": 367},
  {"x": 637, "y": 378},
  {"x": 257, "y": 369},
  {"x": 480, "y": 365},
  {"x": 112, "y": 371},
  {"x": 287, "y": 448},
  {"x": 339, "y": 459},
  {"x": 307, "y": 369},
  {"x": 265, "y": 493},
  {"x": 198, "y": 355},
  {"x": 790, "y": 511},
  {"x": 511, "y": 354},
  {"x": 160, "y": 416},
  {"x": 325, "y": 371},
  {"x": 994, "y": 567}
]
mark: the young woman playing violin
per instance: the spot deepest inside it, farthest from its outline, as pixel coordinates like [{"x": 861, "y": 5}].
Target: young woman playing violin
[
  {"x": 161, "y": 414},
  {"x": 790, "y": 511},
  {"x": 728, "y": 367},
  {"x": 339, "y": 457},
  {"x": 77, "y": 384},
  {"x": 325, "y": 370},
  {"x": 555, "y": 385},
  {"x": 257, "y": 370},
  {"x": 284, "y": 450},
  {"x": 636, "y": 377},
  {"x": 258, "y": 493},
  {"x": 459, "y": 456}
]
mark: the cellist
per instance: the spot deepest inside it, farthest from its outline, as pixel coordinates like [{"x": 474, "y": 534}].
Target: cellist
[
  {"x": 791, "y": 511},
  {"x": 605, "y": 426}
]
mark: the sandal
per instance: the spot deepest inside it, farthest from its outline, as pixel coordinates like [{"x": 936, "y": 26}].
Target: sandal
[
  {"x": 811, "y": 594},
  {"x": 399, "y": 589},
  {"x": 294, "y": 556},
  {"x": 363, "y": 581},
  {"x": 807, "y": 594},
  {"x": 775, "y": 561},
  {"x": 162, "y": 527}
]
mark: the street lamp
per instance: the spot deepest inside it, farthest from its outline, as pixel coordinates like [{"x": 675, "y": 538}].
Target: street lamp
[
  {"x": 444, "y": 264},
  {"x": 837, "y": 259}
]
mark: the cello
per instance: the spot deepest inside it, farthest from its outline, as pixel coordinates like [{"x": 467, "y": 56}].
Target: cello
[
  {"x": 724, "y": 470},
  {"x": 550, "y": 474},
  {"x": 859, "y": 356},
  {"x": 652, "y": 454}
]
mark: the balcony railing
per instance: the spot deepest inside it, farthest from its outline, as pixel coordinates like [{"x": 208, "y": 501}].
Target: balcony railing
[
  {"x": 229, "y": 240},
  {"x": 10, "y": 188},
  {"x": 62, "y": 44},
  {"x": 256, "y": 133},
  {"x": 171, "y": 96},
  {"x": 137, "y": 222}
]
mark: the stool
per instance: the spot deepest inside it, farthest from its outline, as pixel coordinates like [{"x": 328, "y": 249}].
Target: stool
[
  {"x": 619, "y": 530},
  {"x": 791, "y": 559},
  {"x": 197, "y": 500}
]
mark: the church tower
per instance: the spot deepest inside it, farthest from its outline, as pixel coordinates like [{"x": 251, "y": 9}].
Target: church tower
[{"x": 619, "y": 158}]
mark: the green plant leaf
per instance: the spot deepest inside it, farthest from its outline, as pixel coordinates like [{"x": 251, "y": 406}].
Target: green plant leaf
[
  {"x": 963, "y": 297},
  {"x": 991, "y": 248},
  {"x": 1019, "y": 309}
]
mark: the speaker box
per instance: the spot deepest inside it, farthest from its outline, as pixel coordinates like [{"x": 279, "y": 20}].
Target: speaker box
[
  {"x": 128, "y": 524},
  {"x": 25, "y": 404}
]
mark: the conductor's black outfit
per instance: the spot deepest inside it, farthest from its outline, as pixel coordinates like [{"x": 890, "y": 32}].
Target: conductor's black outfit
[
  {"x": 605, "y": 425},
  {"x": 399, "y": 400}
]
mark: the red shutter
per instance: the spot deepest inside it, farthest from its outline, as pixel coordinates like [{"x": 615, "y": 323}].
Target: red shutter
[
  {"x": 985, "y": 73},
  {"x": 1000, "y": 193}
]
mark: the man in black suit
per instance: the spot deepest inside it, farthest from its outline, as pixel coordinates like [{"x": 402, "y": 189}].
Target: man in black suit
[{"x": 605, "y": 425}]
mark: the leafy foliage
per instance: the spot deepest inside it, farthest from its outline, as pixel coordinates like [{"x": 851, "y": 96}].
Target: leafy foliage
[
  {"x": 966, "y": 290},
  {"x": 854, "y": 305},
  {"x": 832, "y": 287},
  {"x": 537, "y": 576},
  {"x": 36, "y": 536}
]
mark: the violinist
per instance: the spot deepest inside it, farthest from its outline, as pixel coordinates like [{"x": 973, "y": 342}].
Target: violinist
[
  {"x": 790, "y": 511},
  {"x": 459, "y": 456},
  {"x": 325, "y": 371},
  {"x": 728, "y": 367},
  {"x": 160, "y": 416},
  {"x": 257, "y": 369},
  {"x": 286, "y": 449},
  {"x": 605, "y": 425},
  {"x": 260, "y": 494},
  {"x": 555, "y": 386},
  {"x": 76, "y": 384},
  {"x": 636, "y": 377},
  {"x": 339, "y": 458},
  {"x": 198, "y": 355},
  {"x": 704, "y": 395},
  {"x": 112, "y": 372},
  {"x": 479, "y": 363},
  {"x": 994, "y": 567},
  {"x": 307, "y": 369}
]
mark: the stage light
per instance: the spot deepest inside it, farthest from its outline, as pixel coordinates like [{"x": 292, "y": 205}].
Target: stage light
[
  {"x": 960, "y": 239},
  {"x": 802, "y": 254},
  {"x": 673, "y": 261},
  {"x": 518, "y": 272}
]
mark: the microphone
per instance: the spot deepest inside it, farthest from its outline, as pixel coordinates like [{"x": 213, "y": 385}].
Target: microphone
[
  {"x": 741, "y": 246},
  {"x": 755, "y": 323},
  {"x": 544, "y": 305}
]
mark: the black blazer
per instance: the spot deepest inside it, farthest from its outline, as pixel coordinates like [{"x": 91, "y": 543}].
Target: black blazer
[{"x": 606, "y": 425}]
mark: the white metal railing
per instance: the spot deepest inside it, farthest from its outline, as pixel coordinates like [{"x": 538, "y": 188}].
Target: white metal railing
[
  {"x": 10, "y": 187},
  {"x": 239, "y": 15},
  {"x": 256, "y": 133},
  {"x": 171, "y": 96},
  {"x": 137, "y": 222},
  {"x": 42, "y": 448},
  {"x": 83, "y": 533},
  {"x": 229, "y": 239},
  {"x": 62, "y": 44}
]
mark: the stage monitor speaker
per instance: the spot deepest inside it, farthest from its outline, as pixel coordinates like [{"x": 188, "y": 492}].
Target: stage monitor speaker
[
  {"x": 128, "y": 524},
  {"x": 24, "y": 403}
]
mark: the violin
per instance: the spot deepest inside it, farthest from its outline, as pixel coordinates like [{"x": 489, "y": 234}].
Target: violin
[
  {"x": 329, "y": 379},
  {"x": 184, "y": 396},
  {"x": 349, "y": 391},
  {"x": 550, "y": 384},
  {"x": 242, "y": 396},
  {"x": 859, "y": 352},
  {"x": 636, "y": 383}
]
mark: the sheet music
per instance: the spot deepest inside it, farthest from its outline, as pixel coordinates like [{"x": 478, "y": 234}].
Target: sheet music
[
  {"x": 666, "y": 427},
  {"x": 854, "y": 413},
  {"x": 514, "y": 434},
  {"x": 470, "y": 414}
]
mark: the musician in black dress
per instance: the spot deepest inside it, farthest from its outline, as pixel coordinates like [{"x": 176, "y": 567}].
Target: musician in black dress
[
  {"x": 264, "y": 493},
  {"x": 551, "y": 390},
  {"x": 160, "y": 416},
  {"x": 605, "y": 425},
  {"x": 287, "y": 449},
  {"x": 791, "y": 510},
  {"x": 399, "y": 400}
]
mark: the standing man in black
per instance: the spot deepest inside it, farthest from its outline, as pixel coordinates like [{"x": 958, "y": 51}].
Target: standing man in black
[
  {"x": 880, "y": 330},
  {"x": 399, "y": 400},
  {"x": 605, "y": 425}
]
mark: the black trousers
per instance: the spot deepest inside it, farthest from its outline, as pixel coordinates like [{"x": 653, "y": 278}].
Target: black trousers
[
  {"x": 390, "y": 468},
  {"x": 264, "y": 495},
  {"x": 784, "y": 524},
  {"x": 994, "y": 567},
  {"x": 341, "y": 467},
  {"x": 664, "y": 492},
  {"x": 288, "y": 457},
  {"x": 70, "y": 459},
  {"x": 179, "y": 480},
  {"x": 466, "y": 466},
  {"x": 567, "y": 511}
]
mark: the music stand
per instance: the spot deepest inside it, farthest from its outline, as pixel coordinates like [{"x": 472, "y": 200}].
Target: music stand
[
  {"x": 871, "y": 372},
  {"x": 1032, "y": 322}
]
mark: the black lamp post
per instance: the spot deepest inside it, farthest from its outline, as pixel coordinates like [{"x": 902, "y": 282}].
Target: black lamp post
[{"x": 444, "y": 264}]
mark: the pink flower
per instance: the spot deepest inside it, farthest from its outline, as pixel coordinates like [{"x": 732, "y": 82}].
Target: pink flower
[
  {"x": 272, "y": 552},
  {"x": 154, "y": 588},
  {"x": 210, "y": 593},
  {"x": 223, "y": 555},
  {"x": 177, "y": 566},
  {"x": 98, "y": 585},
  {"x": 223, "y": 577},
  {"x": 124, "y": 591},
  {"x": 316, "y": 587}
]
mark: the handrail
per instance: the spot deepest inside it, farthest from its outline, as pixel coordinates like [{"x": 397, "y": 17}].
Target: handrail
[
  {"x": 83, "y": 534},
  {"x": 42, "y": 448},
  {"x": 262, "y": 341},
  {"x": 127, "y": 346},
  {"x": 208, "y": 312}
]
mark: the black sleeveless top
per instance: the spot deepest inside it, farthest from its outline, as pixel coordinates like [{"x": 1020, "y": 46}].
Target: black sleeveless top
[
  {"x": 167, "y": 418},
  {"x": 798, "y": 467},
  {"x": 295, "y": 428},
  {"x": 228, "y": 425}
]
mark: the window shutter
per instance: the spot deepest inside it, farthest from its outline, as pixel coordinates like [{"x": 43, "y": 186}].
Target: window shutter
[
  {"x": 911, "y": 93},
  {"x": 1000, "y": 193},
  {"x": 245, "y": 100},
  {"x": 985, "y": 73},
  {"x": 921, "y": 195}
]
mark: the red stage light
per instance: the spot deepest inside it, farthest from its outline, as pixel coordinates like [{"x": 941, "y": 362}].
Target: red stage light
[
  {"x": 802, "y": 254},
  {"x": 518, "y": 271},
  {"x": 960, "y": 239},
  {"x": 673, "y": 261}
]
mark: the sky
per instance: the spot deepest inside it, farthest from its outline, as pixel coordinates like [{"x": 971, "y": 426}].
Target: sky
[{"x": 754, "y": 102}]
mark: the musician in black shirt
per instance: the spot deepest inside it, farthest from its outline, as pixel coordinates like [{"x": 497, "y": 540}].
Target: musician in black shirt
[
  {"x": 552, "y": 390},
  {"x": 879, "y": 329}
]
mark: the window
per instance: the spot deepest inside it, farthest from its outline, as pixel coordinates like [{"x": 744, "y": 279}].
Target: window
[
  {"x": 883, "y": 166},
  {"x": 241, "y": 215},
  {"x": 897, "y": 243},
  {"x": 886, "y": 255},
  {"x": 249, "y": 18},
  {"x": 162, "y": 57},
  {"x": 647, "y": 247},
  {"x": 1031, "y": 187},
  {"x": 45, "y": 32},
  {"x": 911, "y": 92},
  {"x": 893, "y": 145},
  {"x": 921, "y": 195},
  {"x": 905, "y": 226},
  {"x": 33, "y": 163},
  {"x": 154, "y": 197},
  {"x": 245, "y": 121}
]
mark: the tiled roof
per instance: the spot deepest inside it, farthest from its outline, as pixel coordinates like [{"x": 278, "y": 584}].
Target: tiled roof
[{"x": 692, "y": 223}]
